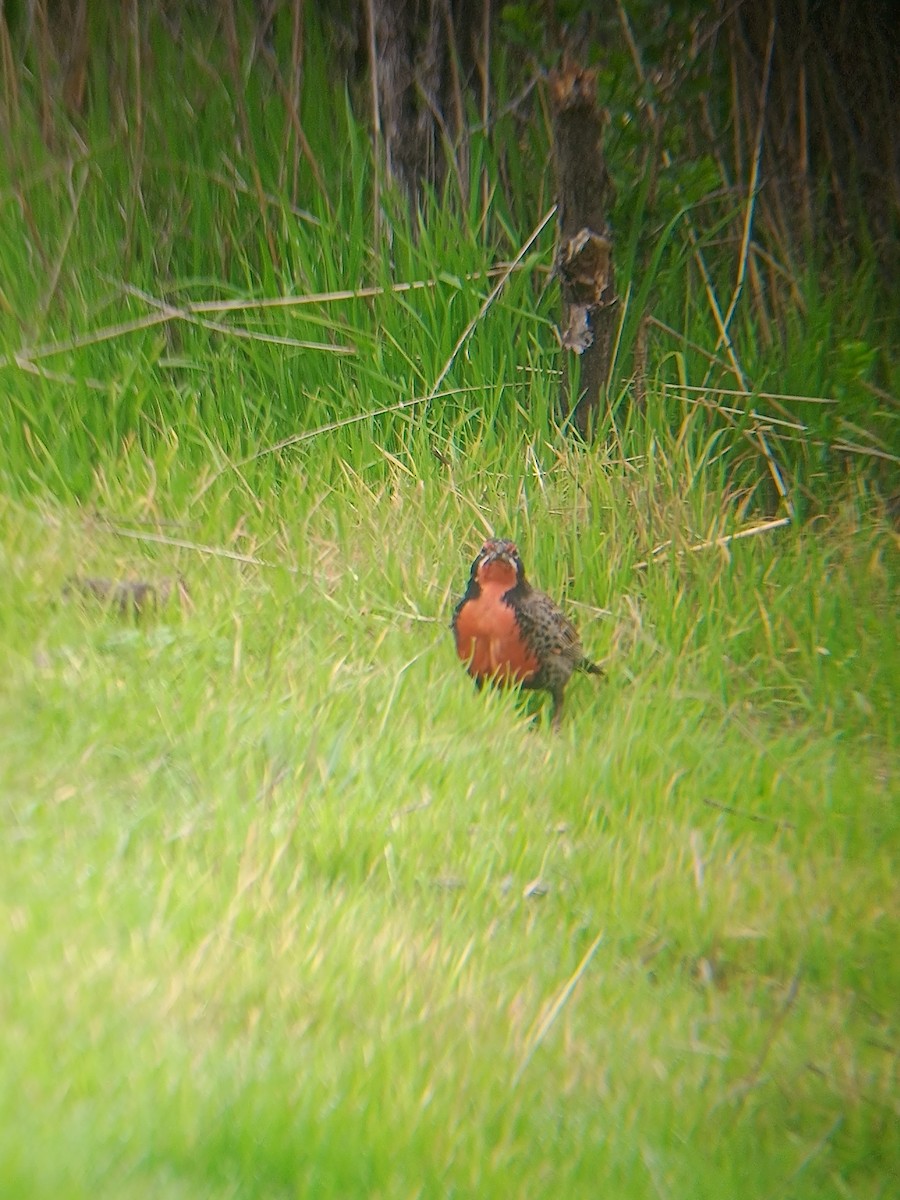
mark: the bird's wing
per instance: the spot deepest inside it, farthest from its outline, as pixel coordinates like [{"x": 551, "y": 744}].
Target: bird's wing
[{"x": 559, "y": 630}]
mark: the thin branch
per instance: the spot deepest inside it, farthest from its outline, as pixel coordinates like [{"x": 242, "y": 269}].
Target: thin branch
[
  {"x": 720, "y": 391},
  {"x": 31, "y": 368},
  {"x": 725, "y": 540},
  {"x": 739, "y": 812},
  {"x": 291, "y": 99},
  {"x": 695, "y": 346},
  {"x": 108, "y": 332},
  {"x": 851, "y": 448},
  {"x": 495, "y": 292},
  {"x": 776, "y": 1027},
  {"x": 767, "y": 421},
  {"x": 724, "y": 339},
  {"x": 295, "y": 438},
  {"x": 162, "y": 539},
  {"x": 184, "y": 314},
  {"x": 813, "y": 1152},
  {"x": 754, "y": 180},
  {"x": 556, "y": 1008},
  {"x": 773, "y": 426},
  {"x": 47, "y": 298}
]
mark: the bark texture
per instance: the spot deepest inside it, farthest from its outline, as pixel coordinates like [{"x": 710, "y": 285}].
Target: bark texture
[
  {"x": 584, "y": 255},
  {"x": 426, "y": 54}
]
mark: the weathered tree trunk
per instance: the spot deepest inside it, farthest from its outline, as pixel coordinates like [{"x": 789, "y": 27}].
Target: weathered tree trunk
[
  {"x": 407, "y": 154},
  {"x": 423, "y": 55},
  {"x": 584, "y": 258}
]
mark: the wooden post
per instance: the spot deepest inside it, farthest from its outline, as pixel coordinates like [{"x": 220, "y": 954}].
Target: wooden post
[{"x": 584, "y": 259}]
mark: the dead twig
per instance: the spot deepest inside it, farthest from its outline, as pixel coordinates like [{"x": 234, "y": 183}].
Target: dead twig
[
  {"x": 725, "y": 540},
  {"x": 739, "y": 812},
  {"x": 163, "y": 539},
  {"x": 26, "y": 357},
  {"x": 295, "y": 438},
  {"x": 773, "y": 426},
  {"x": 720, "y": 391},
  {"x": 777, "y": 1024},
  {"x": 754, "y": 180},
  {"x": 547, "y": 1021},
  {"x": 492, "y": 296},
  {"x": 184, "y": 314}
]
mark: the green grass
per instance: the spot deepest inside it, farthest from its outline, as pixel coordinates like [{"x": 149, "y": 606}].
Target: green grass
[
  {"x": 270, "y": 916},
  {"x": 286, "y": 907}
]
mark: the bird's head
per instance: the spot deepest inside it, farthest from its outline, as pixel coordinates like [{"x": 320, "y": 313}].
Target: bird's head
[{"x": 498, "y": 562}]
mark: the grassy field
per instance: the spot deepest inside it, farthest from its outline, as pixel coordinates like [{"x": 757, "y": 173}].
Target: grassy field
[{"x": 286, "y": 907}]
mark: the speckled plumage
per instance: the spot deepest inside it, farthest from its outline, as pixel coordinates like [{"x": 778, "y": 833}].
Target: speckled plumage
[{"x": 508, "y": 632}]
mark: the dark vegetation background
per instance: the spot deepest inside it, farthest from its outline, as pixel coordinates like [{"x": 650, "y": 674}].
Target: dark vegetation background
[{"x": 753, "y": 149}]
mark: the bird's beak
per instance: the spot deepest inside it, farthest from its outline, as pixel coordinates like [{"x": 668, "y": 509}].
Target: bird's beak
[{"x": 498, "y": 556}]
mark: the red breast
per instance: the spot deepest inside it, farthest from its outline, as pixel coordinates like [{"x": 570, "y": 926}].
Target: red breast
[{"x": 488, "y": 639}]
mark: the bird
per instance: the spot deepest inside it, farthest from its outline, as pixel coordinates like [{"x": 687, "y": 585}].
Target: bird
[{"x": 509, "y": 633}]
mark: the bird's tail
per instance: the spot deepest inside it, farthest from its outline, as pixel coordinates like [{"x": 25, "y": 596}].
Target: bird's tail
[{"x": 590, "y": 668}]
